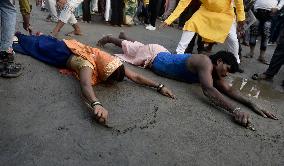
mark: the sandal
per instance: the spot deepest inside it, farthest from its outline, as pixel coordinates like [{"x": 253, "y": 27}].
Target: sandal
[{"x": 10, "y": 70}]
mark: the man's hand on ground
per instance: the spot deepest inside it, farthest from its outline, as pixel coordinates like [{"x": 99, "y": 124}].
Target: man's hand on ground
[
  {"x": 166, "y": 92},
  {"x": 101, "y": 114},
  {"x": 264, "y": 113},
  {"x": 242, "y": 118}
]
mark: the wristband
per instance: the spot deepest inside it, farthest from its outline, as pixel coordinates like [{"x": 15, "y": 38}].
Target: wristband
[
  {"x": 160, "y": 87},
  {"x": 236, "y": 110},
  {"x": 95, "y": 103}
]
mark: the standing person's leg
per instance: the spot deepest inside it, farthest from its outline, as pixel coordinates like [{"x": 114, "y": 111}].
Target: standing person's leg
[
  {"x": 232, "y": 42},
  {"x": 277, "y": 59},
  {"x": 117, "y": 12},
  {"x": 252, "y": 39},
  {"x": 184, "y": 41},
  {"x": 8, "y": 23},
  {"x": 274, "y": 22},
  {"x": 114, "y": 12},
  {"x": 51, "y": 4},
  {"x": 73, "y": 21},
  {"x": 94, "y": 6},
  {"x": 67, "y": 15},
  {"x": 145, "y": 11},
  {"x": 277, "y": 30},
  {"x": 155, "y": 6},
  {"x": 265, "y": 33},
  {"x": 276, "y": 62},
  {"x": 200, "y": 44},
  {"x": 102, "y": 8},
  {"x": 107, "y": 10},
  {"x": 190, "y": 46},
  {"x": 86, "y": 10}
]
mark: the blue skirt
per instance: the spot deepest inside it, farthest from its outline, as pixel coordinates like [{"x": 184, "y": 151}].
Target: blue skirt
[{"x": 44, "y": 48}]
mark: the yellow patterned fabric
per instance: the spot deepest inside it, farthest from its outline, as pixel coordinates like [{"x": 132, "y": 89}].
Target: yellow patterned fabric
[
  {"x": 25, "y": 7},
  {"x": 146, "y": 2},
  {"x": 103, "y": 63},
  {"x": 77, "y": 63},
  {"x": 213, "y": 20}
]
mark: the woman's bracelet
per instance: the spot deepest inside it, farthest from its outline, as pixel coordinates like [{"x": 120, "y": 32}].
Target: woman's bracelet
[
  {"x": 160, "y": 87},
  {"x": 237, "y": 109},
  {"x": 95, "y": 103}
]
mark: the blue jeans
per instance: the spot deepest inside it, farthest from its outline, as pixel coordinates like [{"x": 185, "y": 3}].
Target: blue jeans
[{"x": 8, "y": 23}]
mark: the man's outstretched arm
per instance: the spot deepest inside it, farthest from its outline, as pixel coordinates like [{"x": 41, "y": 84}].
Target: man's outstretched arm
[
  {"x": 224, "y": 87},
  {"x": 139, "y": 79},
  {"x": 91, "y": 100},
  {"x": 206, "y": 81}
]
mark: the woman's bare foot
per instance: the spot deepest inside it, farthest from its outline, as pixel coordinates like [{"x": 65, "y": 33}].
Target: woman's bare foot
[
  {"x": 75, "y": 32},
  {"x": 122, "y": 35},
  {"x": 103, "y": 41}
]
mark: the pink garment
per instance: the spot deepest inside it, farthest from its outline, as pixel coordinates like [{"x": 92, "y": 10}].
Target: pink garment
[{"x": 139, "y": 54}]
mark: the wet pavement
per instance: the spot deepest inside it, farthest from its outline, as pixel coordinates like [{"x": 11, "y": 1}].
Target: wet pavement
[{"x": 43, "y": 120}]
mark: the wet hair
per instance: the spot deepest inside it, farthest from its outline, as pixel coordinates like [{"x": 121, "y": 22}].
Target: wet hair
[
  {"x": 117, "y": 75},
  {"x": 227, "y": 58}
]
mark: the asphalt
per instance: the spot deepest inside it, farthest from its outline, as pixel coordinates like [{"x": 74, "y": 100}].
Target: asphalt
[{"x": 43, "y": 120}]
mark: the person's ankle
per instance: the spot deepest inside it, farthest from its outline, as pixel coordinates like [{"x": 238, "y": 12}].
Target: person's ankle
[{"x": 7, "y": 56}]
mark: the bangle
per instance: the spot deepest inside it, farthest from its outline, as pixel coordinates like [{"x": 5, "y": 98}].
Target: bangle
[
  {"x": 236, "y": 110},
  {"x": 95, "y": 103},
  {"x": 160, "y": 87}
]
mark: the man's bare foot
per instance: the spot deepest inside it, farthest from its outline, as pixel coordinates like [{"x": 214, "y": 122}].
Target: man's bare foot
[
  {"x": 79, "y": 33},
  {"x": 122, "y": 35},
  {"x": 103, "y": 41}
]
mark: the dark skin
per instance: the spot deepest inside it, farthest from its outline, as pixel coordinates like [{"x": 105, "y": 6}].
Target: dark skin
[
  {"x": 100, "y": 112},
  {"x": 212, "y": 87}
]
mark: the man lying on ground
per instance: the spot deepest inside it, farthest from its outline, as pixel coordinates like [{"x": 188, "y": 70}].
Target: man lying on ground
[
  {"x": 91, "y": 66},
  {"x": 208, "y": 71}
]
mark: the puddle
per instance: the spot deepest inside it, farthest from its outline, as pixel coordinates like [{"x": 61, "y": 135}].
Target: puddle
[{"x": 256, "y": 89}]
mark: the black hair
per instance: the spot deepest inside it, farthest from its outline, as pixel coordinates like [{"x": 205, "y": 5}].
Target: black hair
[
  {"x": 227, "y": 58},
  {"x": 117, "y": 75}
]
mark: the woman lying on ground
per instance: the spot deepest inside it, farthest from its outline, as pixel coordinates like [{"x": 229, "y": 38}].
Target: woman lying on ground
[
  {"x": 195, "y": 68},
  {"x": 91, "y": 66}
]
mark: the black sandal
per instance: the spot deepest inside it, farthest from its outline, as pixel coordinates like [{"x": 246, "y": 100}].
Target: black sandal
[{"x": 10, "y": 70}]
